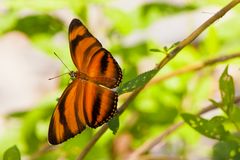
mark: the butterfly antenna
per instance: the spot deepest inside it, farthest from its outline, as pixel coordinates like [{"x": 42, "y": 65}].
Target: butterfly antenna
[
  {"x": 62, "y": 62},
  {"x": 57, "y": 76}
]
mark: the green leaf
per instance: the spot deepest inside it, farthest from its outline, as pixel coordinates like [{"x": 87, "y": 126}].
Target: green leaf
[
  {"x": 226, "y": 150},
  {"x": 155, "y": 50},
  {"x": 12, "y": 153},
  {"x": 137, "y": 82},
  {"x": 226, "y": 86},
  {"x": 219, "y": 105},
  {"x": 113, "y": 124},
  {"x": 235, "y": 114},
  {"x": 165, "y": 49},
  {"x": 211, "y": 128},
  {"x": 39, "y": 24},
  {"x": 218, "y": 120}
]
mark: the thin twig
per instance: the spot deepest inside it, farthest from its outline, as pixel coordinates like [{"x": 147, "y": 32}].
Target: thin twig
[
  {"x": 43, "y": 149},
  {"x": 194, "y": 67},
  {"x": 153, "y": 142},
  {"x": 93, "y": 141},
  {"x": 168, "y": 57}
]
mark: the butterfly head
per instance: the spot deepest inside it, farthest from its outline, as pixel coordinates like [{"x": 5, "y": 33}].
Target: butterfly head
[{"x": 73, "y": 75}]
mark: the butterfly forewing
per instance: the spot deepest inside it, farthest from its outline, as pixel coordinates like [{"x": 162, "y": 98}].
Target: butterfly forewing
[
  {"x": 90, "y": 58},
  {"x": 82, "y": 44},
  {"x": 109, "y": 73}
]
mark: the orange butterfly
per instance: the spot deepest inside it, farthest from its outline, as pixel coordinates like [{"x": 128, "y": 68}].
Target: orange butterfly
[{"x": 88, "y": 100}]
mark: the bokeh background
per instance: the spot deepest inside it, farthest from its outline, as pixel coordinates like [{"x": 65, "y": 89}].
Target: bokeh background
[{"x": 32, "y": 30}]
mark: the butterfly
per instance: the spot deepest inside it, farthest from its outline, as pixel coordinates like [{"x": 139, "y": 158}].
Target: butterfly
[{"x": 89, "y": 99}]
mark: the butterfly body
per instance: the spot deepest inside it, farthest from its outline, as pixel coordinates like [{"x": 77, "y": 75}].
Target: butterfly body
[{"x": 89, "y": 99}]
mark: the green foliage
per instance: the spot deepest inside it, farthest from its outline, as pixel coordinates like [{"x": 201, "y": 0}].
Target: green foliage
[
  {"x": 38, "y": 24},
  {"x": 234, "y": 115},
  {"x": 229, "y": 144},
  {"x": 12, "y": 153},
  {"x": 114, "y": 124},
  {"x": 226, "y": 87},
  {"x": 226, "y": 150},
  {"x": 165, "y": 49},
  {"x": 137, "y": 82},
  {"x": 29, "y": 130},
  {"x": 153, "y": 10},
  {"x": 155, "y": 50},
  {"x": 212, "y": 128}
]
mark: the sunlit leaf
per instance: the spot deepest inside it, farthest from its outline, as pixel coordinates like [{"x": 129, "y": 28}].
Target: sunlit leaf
[
  {"x": 226, "y": 86},
  {"x": 216, "y": 104},
  {"x": 12, "y": 153},
  {"x": 113, "y": 124},
  {"x": 137, "y": 82},
  {"x": 211, "y": 128},
  {"x": 235, "y": 114},
  {"x": 155, "y": 50},
  {"x": 165, "y": 49}
]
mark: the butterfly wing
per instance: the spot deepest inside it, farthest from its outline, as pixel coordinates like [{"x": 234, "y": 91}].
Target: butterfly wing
[
  {"x": 66, "y": 120},
  {"x": 85, "y": 102},
  {"x": 99, "y": 104},
  {"x": 90, "y": 58},
  {"x": 82, "y": 103}
]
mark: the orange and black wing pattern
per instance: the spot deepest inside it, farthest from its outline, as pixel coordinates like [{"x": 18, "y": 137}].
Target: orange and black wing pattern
[
  {"x": 82, "y": 103},
  {"x": 86, "y": 101},
  {"x": 65, "y": 122},
  {"x": 91, "y": 58}
]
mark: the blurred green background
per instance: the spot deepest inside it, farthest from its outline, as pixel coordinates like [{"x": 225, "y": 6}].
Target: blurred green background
[{"x": 31, "y": 30}]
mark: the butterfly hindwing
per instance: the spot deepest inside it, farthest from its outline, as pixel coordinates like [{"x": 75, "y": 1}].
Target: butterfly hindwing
[
  {"x": 100, "y": 104},
  {"x": 90, "y": 58},
  {"x": 82, "y": 103}
]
